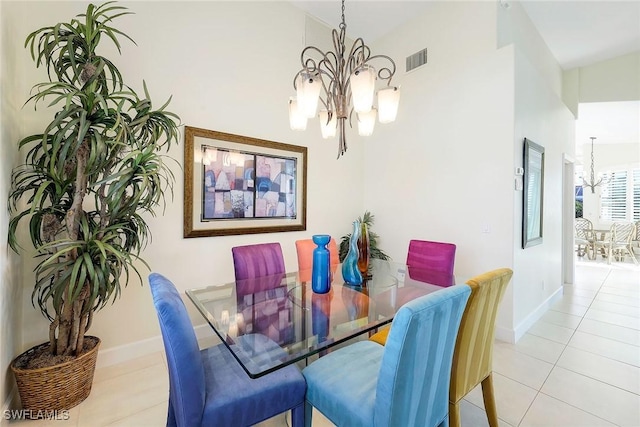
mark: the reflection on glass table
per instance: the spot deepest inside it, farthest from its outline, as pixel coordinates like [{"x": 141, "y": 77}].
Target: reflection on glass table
[{"x": 250, "y": 315}]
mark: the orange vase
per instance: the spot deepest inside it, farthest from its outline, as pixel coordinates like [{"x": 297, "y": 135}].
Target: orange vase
[{"x": 363, "y": 250}]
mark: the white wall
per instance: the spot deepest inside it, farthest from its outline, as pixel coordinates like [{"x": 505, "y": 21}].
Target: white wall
[
  {"x": 612, "y": 80},
  {"x": 229, "y": 67},
  {"x": 10, "y": 274},
  {"x": 444, "y": 170},
  {"x": 541, "y": 116}
]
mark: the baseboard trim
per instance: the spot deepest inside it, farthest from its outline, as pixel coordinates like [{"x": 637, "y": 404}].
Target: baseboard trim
[
  {"x": 126, "y": 352},
  {"x": 513, "y": 335}
]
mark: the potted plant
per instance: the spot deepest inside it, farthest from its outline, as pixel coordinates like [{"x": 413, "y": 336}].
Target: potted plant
[
  {"x": 87, "y": 181},
  {"x": 365, "y": 220}
]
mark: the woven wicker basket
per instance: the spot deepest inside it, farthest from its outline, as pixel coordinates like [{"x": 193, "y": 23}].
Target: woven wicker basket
[{"x": 56, "y": 387}]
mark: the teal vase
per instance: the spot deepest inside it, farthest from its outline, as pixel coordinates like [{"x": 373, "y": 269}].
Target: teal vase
[{"x": 350, "y": 272}]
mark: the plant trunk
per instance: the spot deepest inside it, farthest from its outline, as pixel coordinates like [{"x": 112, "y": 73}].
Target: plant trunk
[{"x": 69, "y": 320}]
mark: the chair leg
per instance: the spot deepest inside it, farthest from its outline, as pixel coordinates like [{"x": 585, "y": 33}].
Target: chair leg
[
  {"x": 298, "y": 416},
  {"x": 454, "y": 414},
  {"x": 489, "y": 401},
  {"x": 308, "y": 413}
]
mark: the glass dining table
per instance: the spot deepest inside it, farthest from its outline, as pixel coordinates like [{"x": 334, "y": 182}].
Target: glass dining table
[{"x": 273, "y": 321}]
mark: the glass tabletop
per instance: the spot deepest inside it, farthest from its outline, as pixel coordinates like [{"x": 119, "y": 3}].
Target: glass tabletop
[{"x": 274, "y": 321}]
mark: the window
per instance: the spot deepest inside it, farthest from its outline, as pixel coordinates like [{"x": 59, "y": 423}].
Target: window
[
  {"x": 620, "y": 197},
  {"x": 636, "y": 194}
]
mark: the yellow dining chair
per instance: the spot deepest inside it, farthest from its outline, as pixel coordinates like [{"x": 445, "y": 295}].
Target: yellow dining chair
[{"x": 473, "y": 355}]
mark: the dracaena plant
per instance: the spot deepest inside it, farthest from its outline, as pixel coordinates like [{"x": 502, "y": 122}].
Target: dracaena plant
[{"x": 88, "y": 180}]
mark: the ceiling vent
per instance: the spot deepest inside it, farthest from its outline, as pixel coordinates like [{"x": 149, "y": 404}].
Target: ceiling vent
[{"x": 416, "y": 60}]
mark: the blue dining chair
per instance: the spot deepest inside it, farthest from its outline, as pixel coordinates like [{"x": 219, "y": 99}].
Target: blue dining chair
[
  {"x": 209, "y": 387},
  {"x": 406, "y": 382}
]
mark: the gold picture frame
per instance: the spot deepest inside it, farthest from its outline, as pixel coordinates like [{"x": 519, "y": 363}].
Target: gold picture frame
[{"x": 236, "y": 184}]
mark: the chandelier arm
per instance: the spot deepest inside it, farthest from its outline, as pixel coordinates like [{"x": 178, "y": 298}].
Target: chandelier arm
[
  {"x": 326, "y": 65},
  {"x": 359, "y": 54},
  {"x": 387, "y": 72}
]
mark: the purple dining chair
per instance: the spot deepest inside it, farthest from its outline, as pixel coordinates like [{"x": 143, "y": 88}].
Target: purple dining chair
[
  {"x": 428, "y": 260},
  {"x": 262, "y": 299},
  {"x": 263, "y": 259}
]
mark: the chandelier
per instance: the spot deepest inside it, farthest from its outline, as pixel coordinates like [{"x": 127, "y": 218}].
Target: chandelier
[
  {"x": 343, "y": 83},
  {"x": 592, "y": 184}
]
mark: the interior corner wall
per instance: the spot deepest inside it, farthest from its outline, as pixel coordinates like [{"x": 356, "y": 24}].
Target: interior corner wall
[
  {"x": 443, "y": 170},
  {"x": 229, "y": 66},
  {"x": 10, "y": 269}
]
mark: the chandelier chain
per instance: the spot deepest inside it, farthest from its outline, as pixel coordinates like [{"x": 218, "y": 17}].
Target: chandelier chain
[{"x": 593, "y": 175}]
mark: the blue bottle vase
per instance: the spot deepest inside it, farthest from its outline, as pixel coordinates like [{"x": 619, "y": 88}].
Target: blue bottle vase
[
  {"x": 320, "y": 273},
  {"x": 350, "y": 272}
]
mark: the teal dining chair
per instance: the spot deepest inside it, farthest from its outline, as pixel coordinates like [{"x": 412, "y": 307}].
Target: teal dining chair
[
  {"x": 209, "y": 387},
  {"x": 406, "y": 382}
]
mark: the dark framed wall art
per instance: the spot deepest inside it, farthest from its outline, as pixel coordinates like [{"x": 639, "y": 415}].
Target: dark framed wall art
[
  {"x": 532, "y": 206},
  {"x": 236, "y": 184}
]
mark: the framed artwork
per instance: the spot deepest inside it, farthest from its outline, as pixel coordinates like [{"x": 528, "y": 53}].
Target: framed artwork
[
  {"x": 236, "y": 184},
  {"x": 532, "y": 194}
]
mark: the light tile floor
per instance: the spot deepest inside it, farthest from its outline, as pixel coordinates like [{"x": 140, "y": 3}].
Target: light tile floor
[{"x": 579, "y": 365}]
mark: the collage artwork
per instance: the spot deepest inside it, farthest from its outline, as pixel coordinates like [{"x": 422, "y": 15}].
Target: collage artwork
[{"x": 247, "y": 185}]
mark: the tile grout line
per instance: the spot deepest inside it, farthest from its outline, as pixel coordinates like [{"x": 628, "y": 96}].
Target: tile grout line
[{"x": 555, "y": 364}]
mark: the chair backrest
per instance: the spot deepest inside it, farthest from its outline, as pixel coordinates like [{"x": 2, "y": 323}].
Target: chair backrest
[
  {"x": 473, "y": 354},
  {"x": 186, "y": 371},
  {"x": 424, "y": 256},
  {"x": 637, "y": 236},
  {"x": 413, "y": 383},
  {"x": 264, "y": 259},
  {"x": 305, "y": 248},
  {"x": 583, "y": 228},
  {"x": 622, "y": 232}
]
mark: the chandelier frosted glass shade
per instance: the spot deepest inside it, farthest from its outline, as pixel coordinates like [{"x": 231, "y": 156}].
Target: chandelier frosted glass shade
[
  {"x": 308, "y": 89},
  {"x": 328, "y": 126},
  {"x": 297, "y": 120},
  {"x": 388, "y": 100},
  {"x": 363, "y": 86},
  {"x": 344, "y": 82},
  {"x": 366, "y": 122}
]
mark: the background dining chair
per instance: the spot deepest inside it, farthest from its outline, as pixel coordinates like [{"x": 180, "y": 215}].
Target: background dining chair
[
  {"x": 584, "y": 237},
  {"x": 209, "y": 387},
  {"x": 635, "y": 242},
  {"x": 424, "y": 257},
  {"x": 619, "y": 242},
  {"x": 404, "y": 383},
  {"x": 473, "y": 355},
  {"x": 429, "y": 262},
  {"x": 263, "y": 259},
  {"x": 304, "y": 249}
]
